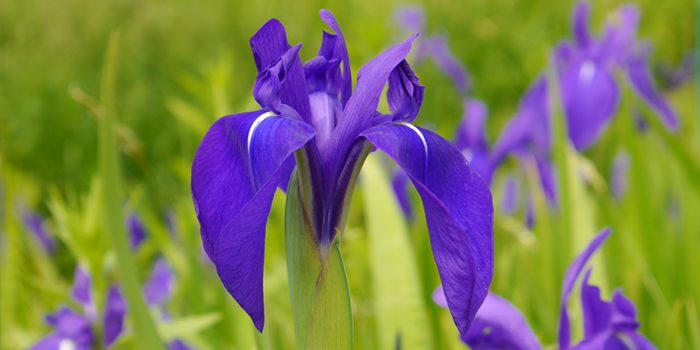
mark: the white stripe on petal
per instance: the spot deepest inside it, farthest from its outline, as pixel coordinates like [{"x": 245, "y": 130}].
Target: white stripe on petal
[
  {"x": 420, "y": 134},
  {"x": 255, "y": 125}
]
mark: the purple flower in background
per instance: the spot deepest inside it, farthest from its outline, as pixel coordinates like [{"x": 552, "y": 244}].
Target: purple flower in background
[
  {"x": 137, "y": 232},
  {"x": 618, "y": 176},
  {"x": 74, "y": 330},
  {"x": 607, "y": 325},
  {"x": 399, "y": 182},
  {"x": 674, "y": 77},
  {"x": 313, "y": 110},
  {"x": 509, "y": 201},
  {"x": 35, "y": 223},
  {"x": 471, "y": 136},
  {"x": 411, "y": 19},
  {"x": 590, "y": 95},
  {"x": 159, "y": 286}
]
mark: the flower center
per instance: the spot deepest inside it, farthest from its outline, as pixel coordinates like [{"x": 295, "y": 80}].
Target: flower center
[{"x": 325, "y": 111}]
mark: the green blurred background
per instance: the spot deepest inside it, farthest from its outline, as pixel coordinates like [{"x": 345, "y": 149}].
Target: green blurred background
[{"x": 182, "y": 64}]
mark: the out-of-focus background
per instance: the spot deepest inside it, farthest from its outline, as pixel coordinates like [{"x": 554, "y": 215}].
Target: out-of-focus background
[{"x": 182, "y": 64}]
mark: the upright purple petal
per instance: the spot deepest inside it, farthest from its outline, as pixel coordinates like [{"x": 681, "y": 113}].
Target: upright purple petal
[
  {"x": 159, "y": 286},
  {"x": 570, "y": 278},
  {"x": 500, "y": 325},
  {"x": 234, "y": 175},
  {"x": 269, "y": 44},
  {"x": 115, "y": 310},
  {"x": 35, "y": 224},
  {"x": 580, "y": 23},
  {"x": 509, "y": 200},
  {"x": 590, "y": 96},
  {"x": 340, "y": 51},
  {"x": 458, "y": 208},
  {"x": 137, "y": 231},
  {"x": 399, "y": 183},
  {"x": 268, "y": 86},
  {"x": 596, "y": 312},
  {"x": 643, "y": 83},
  {"x": 81, "y": 292},
  {"x": 446, "y": 61},
  {"x": 405, "y": 94}
]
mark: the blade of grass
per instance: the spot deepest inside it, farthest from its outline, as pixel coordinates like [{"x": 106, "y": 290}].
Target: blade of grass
[{"x": 146, "y": 336}]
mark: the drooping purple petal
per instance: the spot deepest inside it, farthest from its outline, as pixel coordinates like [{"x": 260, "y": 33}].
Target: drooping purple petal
[
  {"x": 405, "y": 94},
  {"x": 548, "y": 177},
  {"x": 596, "y": 312},
  {"x": 446, "y": 61},
  {"x": 640, "y": 341},
  {"x": 35, "y": 224},
  {"x": 458, "y": 208},
  {"x": 137, "y": 231},
  {"x": 234, "y": 174},
  {"x": 509, "y": 200},
  {"x": 159, "y": 286},
  {"x": 500, "y": 325},
  {"x": 590, "y": 96},
  {"x": 643, "y": 83},
  {"x": 115, "y": 310},
  {"x": 570, "y": 278},
  {"x": 399, "y": 183},
  {"x": 618, "y": 176},
  {"x": 269, "y": 44},
  {"x": 580, "y": 24}
]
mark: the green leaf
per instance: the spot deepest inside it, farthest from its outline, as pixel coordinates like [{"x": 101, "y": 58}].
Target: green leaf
[
  {"x": 146, "y": 336},
  {"x": 188, "y": 326},
  {"x": 399, "y": 306}
]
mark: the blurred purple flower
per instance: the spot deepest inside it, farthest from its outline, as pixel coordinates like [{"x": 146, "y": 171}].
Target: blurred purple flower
[
  {"x": 178, "y": 344},
  {"x": 411, "y": 19},
  {"x": 509, "y": 201},
  {"x": 674, "y": 77},
  {"x": 313, "y": 110},
  {"x": 159, "y": 286},
  {"x": 73, "y": 330},
  {"x": 589, "y": 92},
  {"x": 607, "y": 325},
  {"x": 35, "y": 223},
  {"x": 137, "y": 232},
  {"x": 618, "y": 176}
]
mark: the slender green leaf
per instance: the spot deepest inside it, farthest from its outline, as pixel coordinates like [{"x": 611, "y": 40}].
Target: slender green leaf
[
  {"x": 187, "y": 326},
  {"x": 145, "y": 331},
  {"x": 395, "y": 278}
]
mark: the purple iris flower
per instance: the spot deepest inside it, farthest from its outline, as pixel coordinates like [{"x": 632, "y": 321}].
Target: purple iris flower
[
  {"x": 589, "y": 92},
  {"x": 157, "y": 291},
  {"x": 137, "y": 231},
  {"x": 35, "y": 223},
  {"x": 618, "y": 176},
  {"x": 607, "y": 325},
  {"x": 312, "y": 111},
  {"x": 74, "y": 330},
  {"x": 411, "y": 19},
  {"x": 509, "y": 201}
]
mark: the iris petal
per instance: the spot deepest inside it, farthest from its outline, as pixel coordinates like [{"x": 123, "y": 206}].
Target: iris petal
[
  {"x": 234, "y": 175},
  {"x": 268, "y": 44},
  {"x": 458, "y": 208},
  {"x": 405, "y": 94},
  {"x": 115, "y": 309},
  {"x": 341, "y": 52},
  {"x": 500, "y": 325},
  {"x": 570, "y": 280},
  {"x": 580, "y": 22},
  {"x": 596, "y": 312},
  {"x": 158, "y": 287},
  {"x": 643, "y": 83}
]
